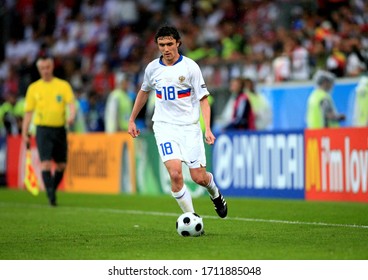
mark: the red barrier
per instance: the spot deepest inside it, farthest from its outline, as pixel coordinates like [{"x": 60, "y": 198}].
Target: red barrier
[
  {"x": 16, "y": 162},
  {"x": 336, "y": 164}
]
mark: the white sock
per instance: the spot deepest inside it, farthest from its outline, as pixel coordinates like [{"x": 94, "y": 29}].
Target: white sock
[
  {"x": 184, "y": 199},
  {"x": 212, "y": 188}
]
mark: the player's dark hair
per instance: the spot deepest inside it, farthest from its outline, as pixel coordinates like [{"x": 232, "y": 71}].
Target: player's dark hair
[{"x": 168, "y": 31}]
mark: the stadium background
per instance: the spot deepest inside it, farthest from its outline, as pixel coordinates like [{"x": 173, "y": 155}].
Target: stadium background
[{"x": 295, "y": 163}]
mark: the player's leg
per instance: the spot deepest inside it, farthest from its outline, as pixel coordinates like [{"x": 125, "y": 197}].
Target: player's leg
[
  {"x": 60, "y": 150},
  {"x": 195, "y": 155},
  {"x": 59, "y": 173},
  {"x": 168, "y": 138},
  {"x": 178, "y": 189},
  {"x": 205, "y": 179},
  {"x": 48, "y": 180},
  {"x": 44, "y": 147}
]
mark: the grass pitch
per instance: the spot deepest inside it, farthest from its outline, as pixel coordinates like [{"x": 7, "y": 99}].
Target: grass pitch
[{"x": 133, "y": 227}]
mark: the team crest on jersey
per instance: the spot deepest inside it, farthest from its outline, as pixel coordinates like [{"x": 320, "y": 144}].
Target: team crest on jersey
[{"x": 181, "y": 79}]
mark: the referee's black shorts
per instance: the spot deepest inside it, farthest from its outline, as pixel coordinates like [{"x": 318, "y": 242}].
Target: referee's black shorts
[{"x": 52, "y": 143}]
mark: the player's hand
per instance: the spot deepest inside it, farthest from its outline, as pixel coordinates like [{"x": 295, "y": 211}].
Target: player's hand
[
  {"x": 209, "y": 137},
  {"x": 26, "y": 139},
  {"x": 70, "y": 121},
  {"x": 132, "y": 130}
]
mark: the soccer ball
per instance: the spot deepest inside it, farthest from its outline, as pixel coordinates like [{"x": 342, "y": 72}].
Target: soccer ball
[{"x": 189, "y": 224}]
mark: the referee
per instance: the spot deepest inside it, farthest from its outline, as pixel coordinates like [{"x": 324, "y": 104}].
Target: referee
[{"x": 47, "y": 102}]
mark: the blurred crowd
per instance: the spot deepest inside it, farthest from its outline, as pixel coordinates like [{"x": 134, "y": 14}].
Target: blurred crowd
[{"x": 93, "y": 41}]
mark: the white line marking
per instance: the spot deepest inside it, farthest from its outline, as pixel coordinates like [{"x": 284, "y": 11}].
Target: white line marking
[{"x": 156, "y": 213}]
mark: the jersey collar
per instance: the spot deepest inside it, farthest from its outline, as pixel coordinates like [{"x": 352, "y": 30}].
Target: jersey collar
[{"x": 179, "y": 59}]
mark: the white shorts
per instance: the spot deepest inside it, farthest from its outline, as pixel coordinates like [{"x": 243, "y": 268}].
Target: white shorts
[{"x": 183, "y": 142}]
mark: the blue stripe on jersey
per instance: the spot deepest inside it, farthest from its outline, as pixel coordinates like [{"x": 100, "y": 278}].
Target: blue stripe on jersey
[
  {"x": 184, "y": 93},
  {"x": 180, "y": 59},
  {"x": 158, "y": 94}
]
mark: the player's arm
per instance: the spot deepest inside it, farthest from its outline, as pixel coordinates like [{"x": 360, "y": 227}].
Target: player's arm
[
  {"x": 25, "y": 125},
  {"x": 72, "y": 112},
  {"x": 140, "y": 101},
  {"x": 29, "y": 107},
  {"x": 329, "y": 112},
  {"x": 206, "y": 113}
]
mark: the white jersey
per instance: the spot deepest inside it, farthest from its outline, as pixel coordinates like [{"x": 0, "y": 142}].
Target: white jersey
[{"x": 178, "y": 89}]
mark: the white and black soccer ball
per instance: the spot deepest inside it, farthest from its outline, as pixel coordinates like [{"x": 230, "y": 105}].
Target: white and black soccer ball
[{"x": 189, "y": 224}]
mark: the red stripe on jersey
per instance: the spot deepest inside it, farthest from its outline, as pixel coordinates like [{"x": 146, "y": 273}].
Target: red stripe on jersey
[
  {"x": 184, "y": 93},
  {"x": 158, "y": 94}
]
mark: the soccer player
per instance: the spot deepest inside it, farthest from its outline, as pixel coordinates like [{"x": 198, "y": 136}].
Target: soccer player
[
  {"x": 180, "y": 92},
  {"x": 47, "y": 99}
]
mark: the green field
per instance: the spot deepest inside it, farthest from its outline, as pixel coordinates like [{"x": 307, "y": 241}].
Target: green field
[{"x": 132, "y": 227}]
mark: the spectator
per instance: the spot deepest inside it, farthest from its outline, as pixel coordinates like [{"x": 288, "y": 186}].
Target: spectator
[
  {"x": 30, "y": 48},
  {"x": 104, "y": 80},
  {"x": 325, "y": 33},
  {"x": 128, "y": 40},
  {"x": 91, "y": 8},
  {"x": 232, "y": 43},
  {"x": 226, "y": 114},
  {"x": 281, "y": 65},
  {"x": 299, "y": 60},
  {"x": 242, "y": 117},
  {"x": 119, "y": 12},
  {"x": 11, "y": 116},
  {"x": 13, "y": 51},
  {"x": 318, "y": 56},
  {"x": 95, "y": 112},
  {"x": 355, "y": 61},
  {"x": 11, "y": 82},
  {"x": 65, "y": 47},
  {"x": 321, "y": 112},
  {"x": 336, "y": 61},
  {"x": 264, "y": 69},
  {"x": 260, "y": 105},
  {"x": 198, "y": 52}
]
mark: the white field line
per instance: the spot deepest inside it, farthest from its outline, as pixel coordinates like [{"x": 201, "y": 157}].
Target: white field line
[{"x": 156, "y": 213}]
